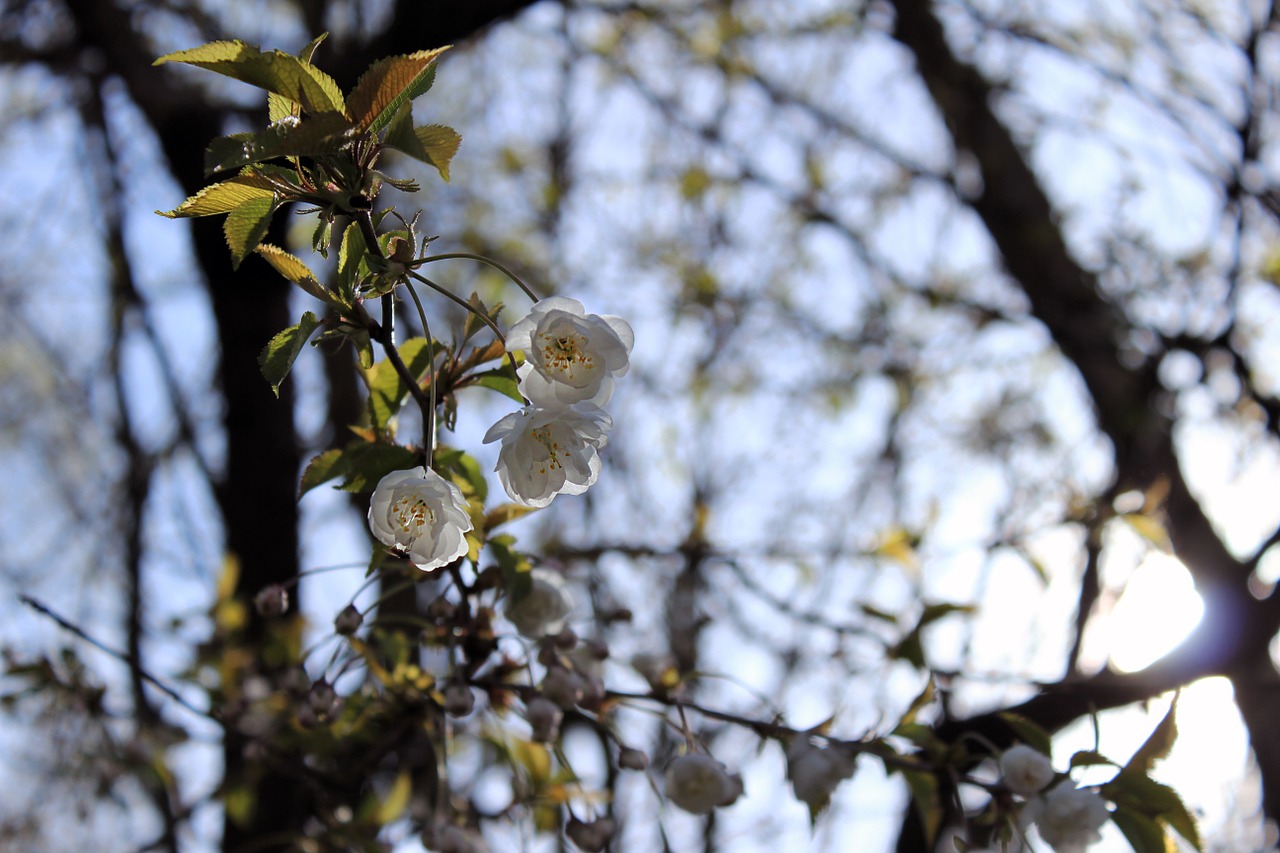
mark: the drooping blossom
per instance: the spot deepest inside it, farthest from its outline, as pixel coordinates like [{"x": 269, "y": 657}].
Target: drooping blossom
[
  {"x": 543, "y": 609},
  {"x": 815, "y": 771},
  {"x": 571, "y": 356},
  {"x": 698, "y": 783},
  {"x": 1027, "y": 771},
  {"x": 546, "y": 452},
  {"x": 1069, "y": 818},
  {"x": 421, "y": 513}
]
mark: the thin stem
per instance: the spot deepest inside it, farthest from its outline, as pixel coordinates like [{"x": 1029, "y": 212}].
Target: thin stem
[
  {"x": 502, "y": 339},
  {"x": 482, "y": 259},
  {"x": 385, "y": 333},
  {"x": 428, "y": 422}
]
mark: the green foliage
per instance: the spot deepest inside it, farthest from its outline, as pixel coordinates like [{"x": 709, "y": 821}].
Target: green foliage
[
  {"x": 277, "y": 357},
  {"x": 288, "y": 76},
  {"x": 318, "y": 135},
  {"x": 387, "y": 390},
  {"x": 361, "y": 464},
  {"x": 245, "y": 227},
  {"x": 389, "y": 84}
]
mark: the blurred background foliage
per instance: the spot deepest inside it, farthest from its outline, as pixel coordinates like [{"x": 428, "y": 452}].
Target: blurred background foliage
[{"x": 955, "y": 303}]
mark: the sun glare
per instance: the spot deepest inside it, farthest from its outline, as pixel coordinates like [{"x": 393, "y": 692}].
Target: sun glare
[{"x": 1158, "y": 608}]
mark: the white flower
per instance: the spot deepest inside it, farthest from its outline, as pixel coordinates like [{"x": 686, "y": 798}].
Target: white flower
[
  {"x": 422, "y": 513},
  {"x": 1026, "y": 770},
  {"x": 1069, "y": 818},
  {"x": 549, "y": 451},
  {"x": 542, "y": 611},
  {"x": 816, "y": 771},
  {"x": 698, "y": 783},
  {"x": 572, "y": 356}
]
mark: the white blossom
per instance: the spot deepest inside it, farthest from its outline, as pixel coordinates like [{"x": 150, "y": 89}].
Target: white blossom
[
  {"x": 698, "y": 783},
  {"x": 546, "y": 452},
  {"x": 543, "y": 609},
  {"x": 1026, "y": 770},
  {"x": 571, "y": 356},
  {"x": 1069, "y": 818},
  {"x": 421, "y": 513},
  {"x": 816, "y": 771}
]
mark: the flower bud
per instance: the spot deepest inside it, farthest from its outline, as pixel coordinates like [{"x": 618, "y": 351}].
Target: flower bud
[
  {"x": 816, "y": 771},
  {"x": 458, "y": 699},
  {"x": 348, "y": 621},
  {"x": 563, "y": 687},
  {"x": 591, "y": 837},
  {"x": 658, "y": 670},
  {"x": 632, "y": 759},
  {"x": 272, "y": 600},
  {"x": 544, "y": 717},
  {"x": 566, "y": 640},
  {"x": 1026, "y": 771},
  {"x": 698, "y": 783},
  {"x": 543, "y": 608}
]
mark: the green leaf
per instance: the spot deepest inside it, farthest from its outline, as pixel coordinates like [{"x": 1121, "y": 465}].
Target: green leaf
[
  {"x": 924, "y": 794},
  {"x": 387, "y": 391},
  {"x": 1139, "y": 793},
  {"x": 313, "y": 136},
  {"x": 502, "y": 380},
  {"x": 934, "y": 612},
  {"x": 434, "y": 144},
  {"x": 1088, "y": 758},
  {"x": 1157, "y": 746},
  {"x": 222, "y": 197},
  {"x": 361, "y": 464},
  {"x": 277, "y": 356},
  {"x": 397, "y": 800},
  {"x": 245, "y": 227},
  {"x": 350, "y": 255},
  {"x": 1144, "y": 834},
  {"x": 463, "y": 469},
  {"x": 321, "y": 469},
  {"x": 923, "y": 700},
  {"x": 1028, "y": 732},
  {"x": 390, "y": 83},
  {"x": 515, "y": 567},
  {"x": 276, "y": 71},
  {"x": 505, "y": 513},
  {"x": 297, "y": 272}
]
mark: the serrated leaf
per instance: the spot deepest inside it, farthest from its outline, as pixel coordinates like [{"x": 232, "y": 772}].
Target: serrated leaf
[
  {"x": 387, "y": 391},
  {"x": 1156, "y": 746},
  {"x": 276, "y": 71},
  {"x": 1143, "y": 834},
  {"x": 321, "y": 469},
  {"x": 245, "y": 227},
  {"x": 1028, "y": 732},
  {"x": 313, "y": 136},
  {"x": 222, "y": 197},
  {"x": 434, "y": 144},
  {"x": 390, "y": 83},
  {"x": 296, "y": 271},
  {"x": 278, "y": 355},
  {"x": 464, "y": 470},
  {"x": 1136, "y": 792}
]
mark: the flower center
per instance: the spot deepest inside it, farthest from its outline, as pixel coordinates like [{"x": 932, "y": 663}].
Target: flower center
[
  {"x": 564, "y": 351},
  {"x": 412, "y": 513},
  {"x": 543, "y": 436}
]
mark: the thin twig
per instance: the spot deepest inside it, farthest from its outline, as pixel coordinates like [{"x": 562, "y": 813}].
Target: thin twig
[{"x": 118, "y": 655}]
